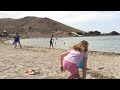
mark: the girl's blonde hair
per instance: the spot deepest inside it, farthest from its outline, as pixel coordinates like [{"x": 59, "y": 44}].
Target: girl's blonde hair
[{"x": 82, "y": 46}]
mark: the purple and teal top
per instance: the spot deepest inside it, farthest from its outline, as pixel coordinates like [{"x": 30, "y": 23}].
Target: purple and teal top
[{"x": 75, "y": 56}]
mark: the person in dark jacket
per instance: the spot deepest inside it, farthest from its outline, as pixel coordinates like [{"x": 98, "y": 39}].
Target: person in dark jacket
[{"x": 17, "y": 40}]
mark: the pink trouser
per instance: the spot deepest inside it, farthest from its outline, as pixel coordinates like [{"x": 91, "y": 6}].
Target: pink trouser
[{"x": 72, "y": 68}]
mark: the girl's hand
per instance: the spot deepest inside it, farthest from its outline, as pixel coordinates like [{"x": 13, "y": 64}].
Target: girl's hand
[{"x": 61, "y": 69}]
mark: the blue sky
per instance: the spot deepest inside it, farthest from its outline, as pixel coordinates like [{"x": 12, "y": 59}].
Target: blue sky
[{"x": 103, "y": 21}]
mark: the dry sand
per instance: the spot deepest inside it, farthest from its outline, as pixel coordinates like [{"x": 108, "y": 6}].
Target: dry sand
[{"x": 14, "y": 63}]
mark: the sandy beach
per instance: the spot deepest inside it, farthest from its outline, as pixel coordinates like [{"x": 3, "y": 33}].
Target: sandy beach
[{"x": 14, "y": 63}]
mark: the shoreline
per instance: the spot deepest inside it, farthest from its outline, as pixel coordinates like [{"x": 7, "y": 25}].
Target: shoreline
[
  {"x": 99, "y": 52},
  {"x": 105, "y": 53}
]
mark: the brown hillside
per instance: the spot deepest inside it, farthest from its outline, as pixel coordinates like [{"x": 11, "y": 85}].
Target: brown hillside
[{"x": 36, "y": 27}]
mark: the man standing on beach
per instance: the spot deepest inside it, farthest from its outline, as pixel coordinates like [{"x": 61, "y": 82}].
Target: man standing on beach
[{"x": 51, "y": 41}]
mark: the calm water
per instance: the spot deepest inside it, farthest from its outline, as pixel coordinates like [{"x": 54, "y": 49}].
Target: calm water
[{"x": 96, "y": 43}]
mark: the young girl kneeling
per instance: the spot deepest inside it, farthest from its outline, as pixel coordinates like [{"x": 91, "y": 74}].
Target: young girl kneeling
[{"x": 71, "y": 59}]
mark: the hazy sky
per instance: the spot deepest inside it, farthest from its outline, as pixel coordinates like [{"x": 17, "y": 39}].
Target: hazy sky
[{"x": 103, "y": 21}]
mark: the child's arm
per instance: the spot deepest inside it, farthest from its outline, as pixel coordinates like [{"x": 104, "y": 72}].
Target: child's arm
[
  {"x": 84, "y": 67},
  {"x": 63, "y": 55},
  {"x": 61, "y": 58}
]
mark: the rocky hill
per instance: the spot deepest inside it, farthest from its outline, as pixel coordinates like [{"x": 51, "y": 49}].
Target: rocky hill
[{"x": 36, "y": 27}]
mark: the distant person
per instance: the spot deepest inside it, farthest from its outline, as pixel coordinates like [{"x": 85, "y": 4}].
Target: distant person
[
  {"x": 51, "y": 42},
  {"x": 70, "y": 60},
  {"x": 17, "y": 40}
]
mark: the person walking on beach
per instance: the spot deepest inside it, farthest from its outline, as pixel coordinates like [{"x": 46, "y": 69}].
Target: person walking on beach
[
  {"x": 17, "y": 40},
  {"x": 51, "y": 41},
  {"x": 71, "y": 59}
]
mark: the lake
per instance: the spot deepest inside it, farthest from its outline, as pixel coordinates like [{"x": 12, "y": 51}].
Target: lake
[{"x": 96, "y": 43}]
